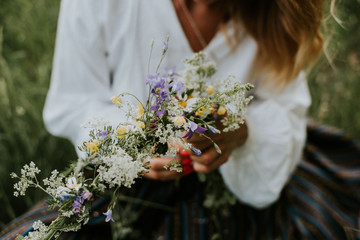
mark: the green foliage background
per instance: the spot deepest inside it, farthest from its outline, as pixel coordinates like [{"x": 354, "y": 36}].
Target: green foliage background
[{"x": 27, "y": 34}]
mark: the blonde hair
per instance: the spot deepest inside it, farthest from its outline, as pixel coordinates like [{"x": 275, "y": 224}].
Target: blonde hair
[{"x": 287, "y": 33}]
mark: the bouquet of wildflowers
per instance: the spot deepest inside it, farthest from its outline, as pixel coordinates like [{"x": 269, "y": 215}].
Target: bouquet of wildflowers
[{"x": 178, "y": 105}]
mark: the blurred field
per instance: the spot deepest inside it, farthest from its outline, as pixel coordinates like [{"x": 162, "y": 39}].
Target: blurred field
[{"x": 27, "y": 33}]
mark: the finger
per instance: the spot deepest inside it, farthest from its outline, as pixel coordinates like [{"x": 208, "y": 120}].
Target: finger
[
  {"x": 208, "y": 156},
  {"x": 161, "y": 175},
  {"x": 178, "y": 145},
  {"x": 206, "y": 168},
  {"x": 195, "y": 138},
  {"x": 157, "y": 170},
  {"x": 159, "y": 163},
  {"x": 202, "y": 145}
]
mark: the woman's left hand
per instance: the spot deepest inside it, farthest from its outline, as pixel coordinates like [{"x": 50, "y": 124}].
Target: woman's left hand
[{"x": 210, "y": 159}]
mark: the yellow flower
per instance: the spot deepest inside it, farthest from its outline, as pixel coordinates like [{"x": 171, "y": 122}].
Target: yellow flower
[
  {"x": 200, "y": 111},
  {"x": 140, "y": 124},
  {"x": 116, "y": 100},
  {"x": 210, "y": 90},
  {"x": 221, "y": 111},
  {"x": 179, "y": 120},
  {"x": 121, "y": 131},
  {"x": 212, "y": 110},
  {"x": 139, "y": 111},
  {"x": 93, "y": 146}
]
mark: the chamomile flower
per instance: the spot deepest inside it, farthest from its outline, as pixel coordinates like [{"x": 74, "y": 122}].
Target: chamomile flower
[{"x": 72, "y": 184}]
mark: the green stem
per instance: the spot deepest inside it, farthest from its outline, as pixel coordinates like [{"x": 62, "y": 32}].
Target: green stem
[
  {"x": 50, "y": 234},
  {"x": 151, "y": 48},
  {"x": 163, "y": 55},
  {"x": 37, "y": 185},
  {"x": 133, "y": 96},
  {"x": 162, "y": 58}
]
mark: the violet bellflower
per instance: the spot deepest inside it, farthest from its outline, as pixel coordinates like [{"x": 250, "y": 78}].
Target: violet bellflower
[
  {"x": 171, "y": 72},
  {"x": 165, "y": 46},
  {"x": 194, "y": 128},
  {"x": 102, "y": 134},
  {"x": 86, "y": 195},
  {"x": 164, "y": 94},
  {"x": 77, "y": 204},
  {"x": 160, "y": 90},
  {"x": 178, "y": 87},
  {"x": 108, "y": 215},
  {"x": 151, "y": 79},
  {"x": 214, "y": 130},
  {"x": 196, "y": 151},
  {"x": 160, "y": 113}
]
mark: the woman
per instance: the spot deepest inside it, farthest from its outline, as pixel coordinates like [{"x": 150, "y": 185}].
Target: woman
[{"x": 102, "y": 49}]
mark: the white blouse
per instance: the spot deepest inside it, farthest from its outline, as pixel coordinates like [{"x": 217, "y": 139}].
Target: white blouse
[{"x": 102, "y": 49}]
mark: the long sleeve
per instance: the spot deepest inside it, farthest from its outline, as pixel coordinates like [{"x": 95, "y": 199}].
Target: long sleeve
[
  {"x": 80, "y": 86},
  {"x": 257, "y": 171},
  {"x": 100, "y": 39}
]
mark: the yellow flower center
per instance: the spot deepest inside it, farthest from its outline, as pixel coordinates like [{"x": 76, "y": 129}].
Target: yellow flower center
[{"x": 182, "y": 103}]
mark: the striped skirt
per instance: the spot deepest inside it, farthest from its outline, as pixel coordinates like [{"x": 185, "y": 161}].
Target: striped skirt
[{"x": 321, "y": 201}]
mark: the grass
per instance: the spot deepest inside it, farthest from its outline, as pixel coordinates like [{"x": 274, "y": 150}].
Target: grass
[
  {"x": 27, "y": 34},
  {"x": 26, "y": 45},
  {"x": 335, "y": 81}
]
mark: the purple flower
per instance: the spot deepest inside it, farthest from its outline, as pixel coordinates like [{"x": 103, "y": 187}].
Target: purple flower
[
  {"x": 165, "y": 45},
  {"x": 194, "y": 128},
  {"x": 102, "y": 134},
  {"x": 171, "y": 72},
  {"x": 108, "y": 215},
  {"x": 178, "y": 87},
  {"x": 160, "y": 89},
  {"x": 154, "y": 107},
  {"x": 160, "y": 113},
  {"x": 196, "y": 151},
  {"x": 152, "y": 78},
  {"x": 157, "y": 85},
  {"x": 77, "y": 204},
  {"x": 86, "y": 195},
  {"x": 164, "y": 94},
  {"x": 214, "y": 130}
]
